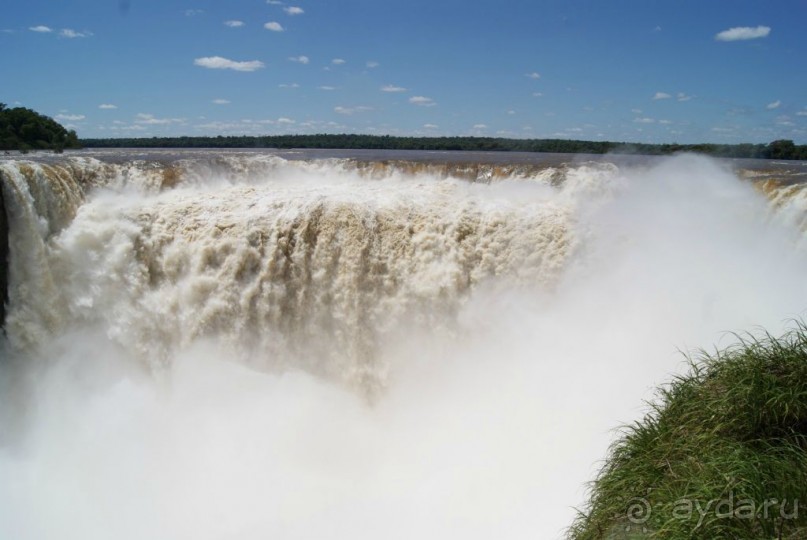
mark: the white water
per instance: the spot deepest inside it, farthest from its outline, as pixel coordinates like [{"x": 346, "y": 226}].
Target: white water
[{"x": 431, "y": 359}]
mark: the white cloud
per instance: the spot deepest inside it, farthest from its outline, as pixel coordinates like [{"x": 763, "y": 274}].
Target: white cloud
[
  {"x": 70, "y": 117},
  {"x": 302, "y": 59},
  {"x": 285, "y": 121},
  {"x": 292, "y": 85},
  {"x": 71, "y": 34},
  {"x": 351, "y": 110},
  {"x": 220, "y": 101},
  {"x": 775, "y": 105},
  {"x": 537, "y": 94},
  {"x": 107, "y": 106},
  {"x": 743, "y": 32},
  {"x": 511, "y": 112},
  {"x": 234, "y": 24},
  {"x": 41, "y": 29},
  {"x": 480, "y": 126},
  {"x": 636, "y": 111},
  {"x": 150, "y": 119},
  {"x": 274, "y": 2},
  {"x": 338, "y": 61},
  {"x": 802, "y": 113},
  {"x": 430, "y": 126},
  {"x": 217, "y": 62},
  {"x": 392, "y": 88},
  {"x": 682, "y": 97},
  {"x": 662, "y": 95},
  {"x": 644, "y": 120},
  {"x": 422, "y": 101},
  {"x": 193, "y": 12},
  {"x": 327, "y": 87},
  {"x": 372, "y": 64},
  {"x": 273, "y": 26},
  {"x": 533, "y": 75},
  {"x": 293, "y": 10}
]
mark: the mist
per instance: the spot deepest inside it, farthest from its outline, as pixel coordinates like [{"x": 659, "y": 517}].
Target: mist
[{"x": 481, "y": 403}]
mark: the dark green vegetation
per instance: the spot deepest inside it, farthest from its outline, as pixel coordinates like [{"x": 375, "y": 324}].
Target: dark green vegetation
[
  {"x": 722, "y": 454},
  {"x": 782, "y": 149},
  {"x": 24, "y": 129}
]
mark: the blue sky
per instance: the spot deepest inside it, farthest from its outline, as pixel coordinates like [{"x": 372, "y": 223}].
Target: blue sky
[{"x": 625, "y": 70}]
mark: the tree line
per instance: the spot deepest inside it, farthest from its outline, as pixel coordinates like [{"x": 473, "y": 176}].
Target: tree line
[
  {"x": 23, "y": 129},
  {"x": 780, "y": 149}
]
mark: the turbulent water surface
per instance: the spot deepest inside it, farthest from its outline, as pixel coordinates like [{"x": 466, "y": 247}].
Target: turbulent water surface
[{"x": 250, "y": 344}]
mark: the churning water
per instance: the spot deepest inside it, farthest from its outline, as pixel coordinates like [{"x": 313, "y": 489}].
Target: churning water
[{"x": 240, "y": 345}]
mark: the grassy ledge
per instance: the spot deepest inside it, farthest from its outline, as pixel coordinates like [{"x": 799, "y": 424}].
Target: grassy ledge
[{"x": 721, "y": 454}]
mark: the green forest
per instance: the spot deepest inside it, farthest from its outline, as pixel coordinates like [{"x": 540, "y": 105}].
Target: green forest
[
  {"x": 23, "y": 129},
  {"x": 781, "y": 149}
]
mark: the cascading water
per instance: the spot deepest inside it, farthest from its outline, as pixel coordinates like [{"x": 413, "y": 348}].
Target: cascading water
[{"x": 236, "y": 345}]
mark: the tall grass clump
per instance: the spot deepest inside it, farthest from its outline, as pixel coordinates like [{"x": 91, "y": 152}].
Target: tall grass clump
[{"x": 721, "y": 454}]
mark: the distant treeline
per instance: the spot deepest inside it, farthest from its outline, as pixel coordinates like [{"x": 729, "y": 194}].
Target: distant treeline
[
  {"x": 781, "y": 149},
  {"x": 24, "y": 129}
]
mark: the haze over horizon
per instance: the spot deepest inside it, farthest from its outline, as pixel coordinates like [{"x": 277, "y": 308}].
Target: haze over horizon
[{"x": 656, "y": 72}]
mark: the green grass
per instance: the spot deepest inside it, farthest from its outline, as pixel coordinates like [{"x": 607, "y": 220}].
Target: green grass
[{"x": 721, "y": 454}]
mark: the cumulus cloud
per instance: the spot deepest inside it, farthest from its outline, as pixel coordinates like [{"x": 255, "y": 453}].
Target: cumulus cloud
[
  {"x": 392, "y": 88},
  {"x": 423, "y": 101},
  {"x": 41, "y": 29},
  {"x": 533, "y": 75},
  {"x": 234, "y": 24},
  {"x": 351, "y": 110},
  {"x": 338, "y": 61},
  {"x": 107, "y": 106},
  {"x": 662, "y": 95},
  {"x": 217, "y": 62},
  {"x": 430, "y": 126},
  {"x": 150, "y": 119},
  {"x": 285, "y": 121},
  {"x": 740, "y": 33},
  {"x": 293, "y": 10},
  {"x": 70, "y": 117},
  {"x": 220, "y": 101},
  {"x": 273, "y": 26},
  {"x": 302, "y": 59},
  {"x": 775, "y": 105},
  {"x": 71, "y": 34}
]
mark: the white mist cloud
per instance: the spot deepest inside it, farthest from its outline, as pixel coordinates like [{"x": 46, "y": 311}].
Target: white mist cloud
[
  {"x": 534, "y": 75},
  {"x": 274, "y": 26},
  {"x": 351, "y": 110},
  {"x": 372, "y": 64},
  {"x": 327, "y": 88},
  {"x": 217, "y": 62},
  {"x": 662, "y": 95},
  {"x": 41, "y": 29},
  {"x": 70, "y": 117},
  {"x": 221, "y": 101},
  {"x": 423, "y": 101},
  {"x": 775, "y": 105},
  {"x": 234, "y": 24},
  {"x": 302, "y": 59},
  {"x": 107, "y": 106},
  {"x": 682, "y": 97},
  {"x": 392, "y": 88},
  {"x": 338, "y": 61},
  {"x": 644, "y": 120},
  {"x": 742, "y": 33},
  {"x": 293, "y": 10},
  {"x": 72, "y": 34}
]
